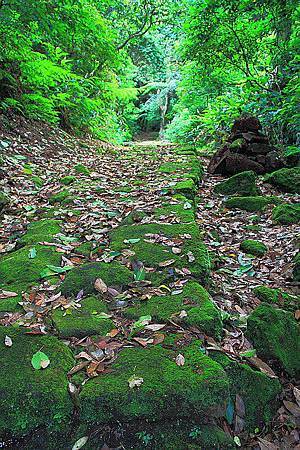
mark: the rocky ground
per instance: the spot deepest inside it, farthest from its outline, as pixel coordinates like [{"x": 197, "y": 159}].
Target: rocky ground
[{"x": 142, "y": 303}]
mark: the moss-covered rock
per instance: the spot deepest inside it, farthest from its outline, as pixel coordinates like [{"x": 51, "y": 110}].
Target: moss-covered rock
[
  {"x": 67, "y": 180},
  {"x": 186, "y": 188},
  {"x": 242, "y": 184},
  {"x": 258, "y": 391},
  {"x": 176, "y": 435},
  {"x": 253, "y": 247},
  {"x": 83, "y": 277},
  {"x": 32, "y": 398},
  {"x": 80, "y": 168},
  {"x": 85, "y": 321},
  {"x": 251, "y": 204},
  {"x": 4, "y": 201},
  {"x": 19, "y": 267},
  {"x": 38, "y": 181},
  {"x": 59, "y": 197},
  {"x": 288, "y": 180},
  {"x": 276, "y": 336},
  {"x": 41, "y": 231},
  {"x": 167, "y": 390},
  {"x": 286, "y": 214},
  {"x": 195, "y": 300},
  {"x": 154, "y": 254},
  {"x": 85, "y": 248},
  {"x": 277, "y": 297}
]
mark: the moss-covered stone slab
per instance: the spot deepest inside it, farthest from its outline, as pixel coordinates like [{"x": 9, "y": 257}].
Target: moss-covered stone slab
[
  {"x": 276, "y": 336},
  {"x": 251, "y": 204},
  {"x": 60, "y": 197},
  {"x": 186, "y": 187},
  {"x": 80, "y": 168},
  {"x": 41, "y": 231},
  {"x": 242, "y": 184},
  {"x": 67, "y": 180},
  {"x": 286, "y": 214},
  {"x": 176, "y": 435},
  {"x": 195, "y": 300},
  {"x": 253, "y": 247},
  {"x": 85, "y": 321},
  {"x": 83, "y": 277},
  {"x": 277, "y": 297},
  {"x": 200, "y": 386},
  {"x": 288, "y": 180},
  {"x": 258, "y": 391},
  {"x": 191, "y": 168},
  {"x": 155, "y": 254},
  {"x": 32, "y": 398}
]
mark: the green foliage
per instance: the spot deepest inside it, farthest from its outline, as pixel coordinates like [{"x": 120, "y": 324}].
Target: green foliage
[{"x": 238, "y": 57}]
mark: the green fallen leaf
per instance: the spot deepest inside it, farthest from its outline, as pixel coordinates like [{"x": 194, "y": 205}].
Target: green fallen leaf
[
  {"x": 143, "y": 320},
  {"x": 80, "y": 443},
  {"x": 237, "y": 441},
  {"x": 187, "y": 205},
  {"x": 131, "y": 241},
  {"x": 230, "y": 412},
  {"x": 40, "y": 361},
  {"x": 58, "y": 269},
  {"x": 32, "y": 253},
  {"x": 248, "y": 353},
  {"x": 139, "y": 274}
]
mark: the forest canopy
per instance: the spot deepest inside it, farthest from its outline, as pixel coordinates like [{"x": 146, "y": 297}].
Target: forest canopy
[{"x": 185, "y": 69}]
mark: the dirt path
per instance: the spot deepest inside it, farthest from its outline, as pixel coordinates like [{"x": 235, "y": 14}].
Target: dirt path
[{"x": 105, "y": 271}]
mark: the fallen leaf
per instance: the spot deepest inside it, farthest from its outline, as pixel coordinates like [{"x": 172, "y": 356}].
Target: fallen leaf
[
  {"x": 32, "y": 253},
  {"x": 296, "y": 392},
  {"x": 167, "y": 263},
  {"x": 40, "y": 361},
  {"x": 8, "y": 341},
  {"x": 72, "y": 388},
  {"x": 297, "y": 314},
  {"x": 131, "y": 241},
  {"x": 266, "y": 445},
  {"x": 176, "y": 250},
  {"x": 7, "y": 294},
  {"x": 155, "y": 327},
  {"x": 113, "y": 332},
  {"x": 180, "y": 360},
  {"x": 257, "y": 362},
  {"x": 135, "y": 381},
  {"x": 100, "y": 286},
  {"x": 80, "y": 443},
  {"x": 143, "y": 342},
  {"x": 292, "y": 408},
  {"x": 191, "y": 257}
]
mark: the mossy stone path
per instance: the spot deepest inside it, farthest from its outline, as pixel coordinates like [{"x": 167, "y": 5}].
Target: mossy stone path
[{"x": 111, "y": 280}]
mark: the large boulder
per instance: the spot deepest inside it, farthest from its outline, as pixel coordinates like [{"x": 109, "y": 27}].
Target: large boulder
[
  {"x": 242, "y": 184},
  {"x": 287, "y": 180}
]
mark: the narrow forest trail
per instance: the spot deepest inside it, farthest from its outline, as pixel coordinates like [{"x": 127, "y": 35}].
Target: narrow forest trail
[{"x": 119, "y": 330}]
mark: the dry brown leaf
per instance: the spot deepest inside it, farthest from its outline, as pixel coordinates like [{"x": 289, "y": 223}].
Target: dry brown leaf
[
  {"x": 266, "y": 445},
  {"x": 167, "y": 263},
  {"x": 7, "y": 294},
  {"x": 180, "y": 360},
  {"x": 155, "y": 326},
  {"x": 296, "y": 392},
  {"x": 292, "y": 408},
  {"x": 100, "y": 286}
]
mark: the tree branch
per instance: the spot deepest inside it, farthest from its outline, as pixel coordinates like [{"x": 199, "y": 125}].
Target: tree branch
[{"x": 141, "y": 32}]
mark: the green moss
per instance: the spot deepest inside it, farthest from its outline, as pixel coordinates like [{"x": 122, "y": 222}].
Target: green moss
[
  {"x": 276, "y": 336},
  {"x": 163, "y": 392},
  {"x": 177, "y": 434},
  {"x": 4, "y": 201},
  {"x": 253, "y": 247},
  {"x": 41, "y": 231},
  {"x": 277, "y": 297},
  {"x": 32, "y": 398},
  {"x": 242, "y": 184},
  {"x": 83, "y": 277},
  {"x": 182, "y": 212},
  {"x": 287, "y": 213},
  {"x": 38, "y": 181},
  {"x": 237, "y": 144},
  {"x": 17, "y": 267},
  {"x": 186, "y": 188},
  {"x": 195, "y": 300},
  {"x": 288, "y": 180},
  {"x": 191, "y": 168},
  {"x": 151, "y": 254},
  {"x": 251, "y": 204},
  {"x": 80, "y": 168},
  {"x": 69, "y": 179},
  {"x": 85, "y": 248},
  {"x": 296, "y": 269},
  {"x": 258, "y": 391},
  {"x": 59, "y": 197},
  {"x": 84, "y": 321}
]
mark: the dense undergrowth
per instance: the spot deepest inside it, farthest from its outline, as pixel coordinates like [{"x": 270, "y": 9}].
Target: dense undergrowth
[{"x": 186, "y": 69}]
